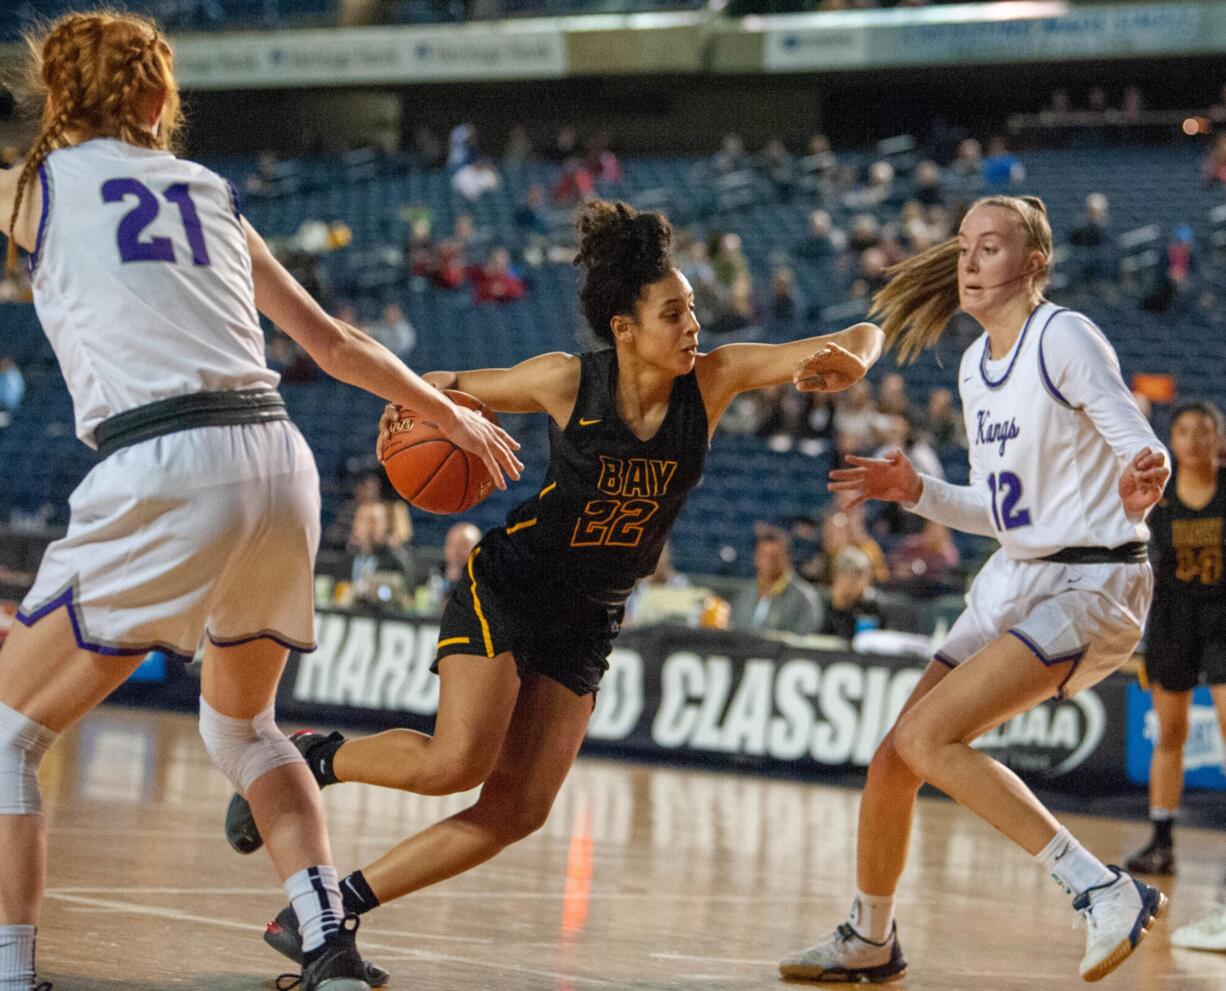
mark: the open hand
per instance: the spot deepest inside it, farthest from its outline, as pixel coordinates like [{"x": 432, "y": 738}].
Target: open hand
[
  {"x": 1142, "y": 483},
  {"x": 831, "y": 368},
  {"x": 890, "y": 479}
]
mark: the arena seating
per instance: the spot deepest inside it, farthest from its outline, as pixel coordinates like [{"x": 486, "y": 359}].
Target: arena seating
[{"x": 745, "y": 480}]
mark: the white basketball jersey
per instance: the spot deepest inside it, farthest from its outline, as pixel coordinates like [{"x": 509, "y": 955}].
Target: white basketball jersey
[
  {"x": 142, "y": 280},
  {"x": 1051, "y": 427}
]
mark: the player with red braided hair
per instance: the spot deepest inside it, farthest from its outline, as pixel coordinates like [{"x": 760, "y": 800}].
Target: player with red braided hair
[{"x": 202, "y": 518}]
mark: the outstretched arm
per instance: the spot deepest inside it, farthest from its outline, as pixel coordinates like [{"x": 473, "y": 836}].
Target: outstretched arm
[
  {"x": 828, "y": 363},
  {"x": 893, "y": 479},
  {"x": 348, "y": 354}
]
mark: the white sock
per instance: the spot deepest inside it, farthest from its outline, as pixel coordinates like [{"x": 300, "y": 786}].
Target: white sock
[
  {"x": 17, "y": 958},
  {"x": 872, "y": 916},
  {"x": 316, "y": 897},
  {"x": 1162, "y": 815},
  {"x": 1073, "y": 865}
]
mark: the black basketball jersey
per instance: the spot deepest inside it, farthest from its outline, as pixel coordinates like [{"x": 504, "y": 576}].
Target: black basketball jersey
[
  {"x": 1189, "y": 545},
  {"x": 600, "y": 520}
]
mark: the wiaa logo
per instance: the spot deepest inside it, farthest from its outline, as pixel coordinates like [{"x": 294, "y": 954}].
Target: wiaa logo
[{"x": 1052, "y": 739}]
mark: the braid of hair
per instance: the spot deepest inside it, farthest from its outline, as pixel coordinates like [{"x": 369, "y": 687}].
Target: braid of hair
[{"x": 61, "y": 72}]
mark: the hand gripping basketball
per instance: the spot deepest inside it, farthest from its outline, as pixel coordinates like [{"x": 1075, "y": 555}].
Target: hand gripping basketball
[{"x": 446, "y": 468}]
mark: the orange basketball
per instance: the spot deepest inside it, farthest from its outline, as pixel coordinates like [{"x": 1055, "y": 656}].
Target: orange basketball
[{"x": 430, "y": 471}]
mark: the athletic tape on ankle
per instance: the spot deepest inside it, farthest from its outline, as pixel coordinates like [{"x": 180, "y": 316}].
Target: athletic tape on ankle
[
  {"x": 23, "y": 743},
  {"x": 245, "y": 749}
]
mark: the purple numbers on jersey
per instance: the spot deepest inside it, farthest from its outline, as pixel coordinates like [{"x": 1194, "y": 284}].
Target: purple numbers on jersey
[
  {"x": 1007, "y": 490},
  {"x": 155, "y": 249}
]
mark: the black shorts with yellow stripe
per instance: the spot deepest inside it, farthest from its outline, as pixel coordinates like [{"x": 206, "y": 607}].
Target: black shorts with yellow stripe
[{"x": 503, "y": 605}]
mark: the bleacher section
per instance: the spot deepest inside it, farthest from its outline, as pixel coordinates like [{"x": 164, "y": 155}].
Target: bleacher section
[{"x": 745, "y": 481}]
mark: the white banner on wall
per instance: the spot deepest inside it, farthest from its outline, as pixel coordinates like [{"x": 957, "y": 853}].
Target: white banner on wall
[
  {"x": 363, "y": 56},
  {"x": 1003, "y": 32}
]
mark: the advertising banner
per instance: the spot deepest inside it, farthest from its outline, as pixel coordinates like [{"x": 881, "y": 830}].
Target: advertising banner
[
  {"x": 360, "y": 56},
  {"x": 713, "y": 698},
  {"x": 1203, "y": 755}
]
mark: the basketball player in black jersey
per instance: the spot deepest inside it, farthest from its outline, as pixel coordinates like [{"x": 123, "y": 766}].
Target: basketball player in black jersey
[
  {"x": 1187, "y": 622},
  {"x": 525, "y": 639}
]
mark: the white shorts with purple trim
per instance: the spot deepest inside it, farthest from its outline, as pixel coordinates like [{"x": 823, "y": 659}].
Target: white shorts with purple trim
[
  {"x": 1088, "y": 617},
  {"x": 211, "y": 531}
]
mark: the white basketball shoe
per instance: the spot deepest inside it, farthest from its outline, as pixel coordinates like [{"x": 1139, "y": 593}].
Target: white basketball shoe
[
  {"x": 1117, "y": 916},
  {"x": 846, "y": 957},
  {"x": 1208, "y": 933}
]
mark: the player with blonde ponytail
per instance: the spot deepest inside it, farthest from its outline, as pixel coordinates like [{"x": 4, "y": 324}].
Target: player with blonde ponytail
[
  {"x": 201, "y": 520},
  {"x": 1064, "y": 470}
]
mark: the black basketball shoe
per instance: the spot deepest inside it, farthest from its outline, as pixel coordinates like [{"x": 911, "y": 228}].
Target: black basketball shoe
[
  {"x": 1153, "y": 858},
  {"x": 337, "y": 966},
  {"x": 241, "y": 831},
  {"x": 283, "y": 935}
]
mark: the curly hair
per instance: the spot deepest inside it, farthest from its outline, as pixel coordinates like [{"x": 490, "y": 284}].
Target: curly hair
[
  {"x": 621, "y": 251},
  {"x": 98, "y": 74},
  {"x": 922, "y": 295}
]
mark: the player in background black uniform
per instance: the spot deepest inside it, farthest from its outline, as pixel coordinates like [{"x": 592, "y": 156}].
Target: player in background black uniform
[
  {"x": 1187, "y": 623},
  {"x": 524, "y": 641}
]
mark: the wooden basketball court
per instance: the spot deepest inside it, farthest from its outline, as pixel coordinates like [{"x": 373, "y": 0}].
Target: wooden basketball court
[{"x": 644, "y": 878}]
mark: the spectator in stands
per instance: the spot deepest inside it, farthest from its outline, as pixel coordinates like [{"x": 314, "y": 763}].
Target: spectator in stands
[
  {"x": 825, "y": 242},
  {"x": 496, "y": 281},
  {"x": 892, "y": 395},
  {"x": 872, "y": 272},
  {"x": 15, "y": 286},
  {"x": 565, "y": 145},
  {"x": 1175, "y": 277},
  {"x": 373, "y": 566},
  {"x": 519, "y": 147},
  {"x": 928, "y": 189},
  {"x": 530, "y": 216},
  {"x": 865, "y": 232},
  {"x": 943, "y": 422},
  {"x": 291, "y": 361},
  {"x": 575, "y": 184},
  {"x": 394, "y": 331},
  {"x": 447, "y": 268},
  {"x": 475, "y": 179},
  {"x": 263, "y": 181},
  {"x": 856, "y": 419},
  {"x": 604, "y": 165},
  {"x": 728, "y": 259},
  {"x": 731, "y": 155},
  {"x": 877, "y": 192},
  {"x": 697, "y": 268},
  {"x": 458, "y": 545},
  {"x": 1133, "y": 103},
  {"x": 900, "y": 435},
  {"x": 778, "y": 599},
  {"x": 461, "y": 146},
  {"x": 10, "y": 155},
  {"x": 926, "y": 558},
  {"x": 664, "y": 576},
  {"x": 919, "y": 232},
  {"x": 776, "y": 166},
  {"x": 853, "y": 599},
  {"x": 1214, "y": 168},
  {"x": 1092, "y": 232},
  {"x": 427, "y": 148},
  {"x": 844, "y": 527},
  {"x": 1001, "y": 168},
  {"x": 12, "y": 389},
  {"x": 784, "y": 305},
  {"x": 737, "y": 312},
  {"x": 966, "y": 170}
]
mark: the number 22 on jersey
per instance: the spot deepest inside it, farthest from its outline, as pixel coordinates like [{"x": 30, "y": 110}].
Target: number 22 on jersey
[{"x": 134, "y": 248}]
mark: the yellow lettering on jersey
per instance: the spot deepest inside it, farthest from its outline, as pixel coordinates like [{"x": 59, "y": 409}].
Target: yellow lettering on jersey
[
  {"x": 635, "y": 478},
  {"x": 612, "y": 473},
  {"x": 1198, "y": 549}
]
